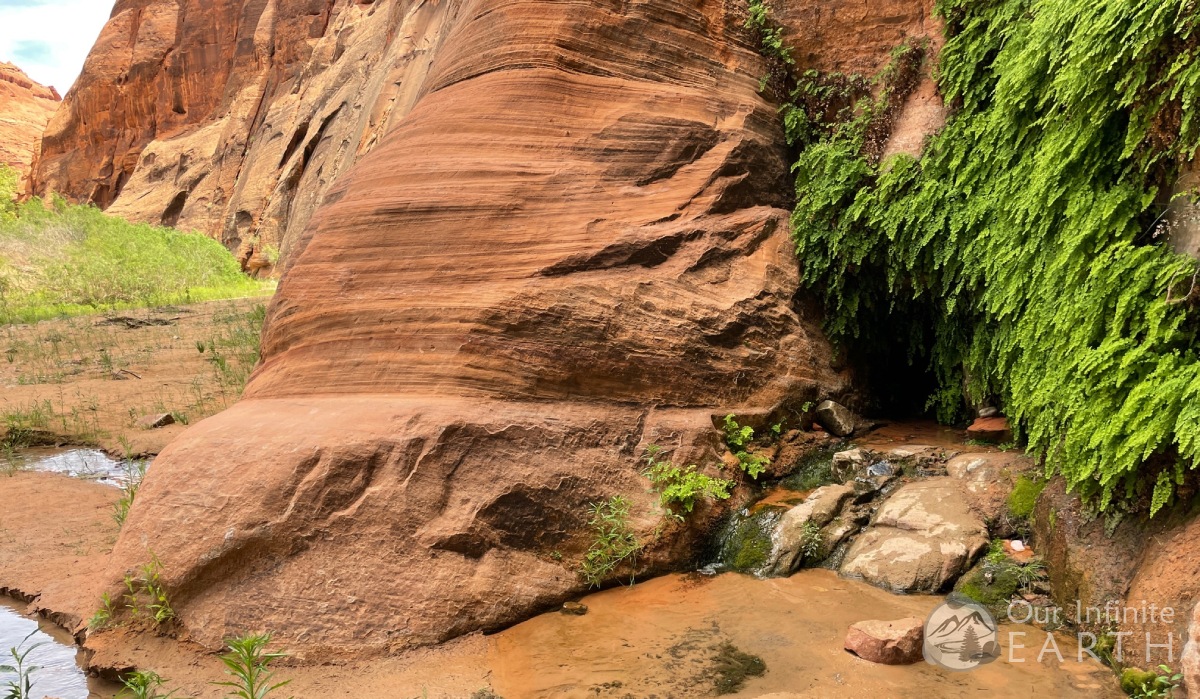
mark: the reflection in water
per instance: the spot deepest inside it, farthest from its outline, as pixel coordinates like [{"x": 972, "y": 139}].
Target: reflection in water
[
  {"x": 90, "y": 464},
  {"x": 56, "y": 674}
]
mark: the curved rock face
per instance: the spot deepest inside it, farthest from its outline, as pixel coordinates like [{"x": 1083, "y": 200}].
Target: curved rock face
[
  {"x": 25, "y": 107},
  {"x": 572, "y": 243},
  {"x": 234, "y": 117}
]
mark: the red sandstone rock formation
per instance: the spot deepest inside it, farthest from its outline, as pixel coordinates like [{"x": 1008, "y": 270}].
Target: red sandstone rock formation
[
  {"x": 235, "y": 117},
  {"x": 564, "y": 239},
  {"x": 25, "y": 107}
]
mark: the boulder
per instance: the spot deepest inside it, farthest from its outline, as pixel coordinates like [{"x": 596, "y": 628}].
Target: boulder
[
  {"x": 923, "y": 537},
  {"x": 800, "y": 524},
  {"x": 887, "y": 642},
  {"x": 994, "y": 430},
  {"x": 836, "y": 418}
]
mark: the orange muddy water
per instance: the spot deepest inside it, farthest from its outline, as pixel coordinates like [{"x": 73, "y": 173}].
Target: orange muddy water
[{"x": 658, "y": 639}]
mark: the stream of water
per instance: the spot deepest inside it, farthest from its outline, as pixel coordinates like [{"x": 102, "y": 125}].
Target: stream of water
[{"x": 51, "y": 655}]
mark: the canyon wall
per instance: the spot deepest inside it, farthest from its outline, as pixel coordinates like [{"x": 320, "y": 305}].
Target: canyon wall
[
  {"x": 25, "y": 108},
  {"x": 559, "y": 235},
  {"x": 235, "y": 117}
]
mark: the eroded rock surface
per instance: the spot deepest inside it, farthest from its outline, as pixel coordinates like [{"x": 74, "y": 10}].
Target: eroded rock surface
[
  {"x": 25, "y": 108},
  {"x": 571, "y": 243},
  {"x": 236, "y": 117},
  {"x": 923, "y": 537}
]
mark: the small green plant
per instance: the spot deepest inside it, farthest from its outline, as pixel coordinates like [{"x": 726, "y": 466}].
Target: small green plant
[
  {"x": 811, "y": 541},
  {"x": 104, "y": 615},
  {"x": 248, "y": 662},
  {"x": 146, "y": 593},
  {"x": 135, "y": 472},
  {"x": 679, "y": 486},
  {"x": 144, "y": 684},
  {"x": 613, "y": 543},
  {"x": 738, "y": 438},
  {"x": 21, "y": 685}
]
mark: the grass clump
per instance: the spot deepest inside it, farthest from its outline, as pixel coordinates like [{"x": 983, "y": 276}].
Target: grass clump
[
  {"x": 614, "y": 541},
  {"x": 679, "y": 487},
  {"x": 1024, "y": 249},
  {"x": 248, "y": 663},
  {"x": 63, "y": 259}
]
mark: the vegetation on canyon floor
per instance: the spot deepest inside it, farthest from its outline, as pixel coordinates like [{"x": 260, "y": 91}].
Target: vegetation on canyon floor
[
  {"x": 91, "y": 381},
  {"x": 1024, "y": 248},
  {"x": 60, "y": 259}
]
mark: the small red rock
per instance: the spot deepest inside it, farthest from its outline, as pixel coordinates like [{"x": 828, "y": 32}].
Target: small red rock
[
  {"x": 990, "y": 429},
  {"x": 887, "y": 642},
  {"x": 152, "y": 422}
]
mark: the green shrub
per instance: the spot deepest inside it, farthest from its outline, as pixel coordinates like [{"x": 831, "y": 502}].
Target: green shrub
[
  {"x": 68, "y": 260},
  {"x": 614, "y": 541},
  {"x": 1021, "y": 249},
  {"x": 682, "y": 487}
]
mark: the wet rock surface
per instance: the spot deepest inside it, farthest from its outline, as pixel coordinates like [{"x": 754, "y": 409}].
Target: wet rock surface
[
  {"x": 921, "y": 539},
  {"x": 801, "y": 532}
]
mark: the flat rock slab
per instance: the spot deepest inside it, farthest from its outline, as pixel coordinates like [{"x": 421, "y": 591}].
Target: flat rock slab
[
  {"x": 887, "y": 642},
  {"x": 922, "y": 538},
  {"x": 994, "y": 430}
]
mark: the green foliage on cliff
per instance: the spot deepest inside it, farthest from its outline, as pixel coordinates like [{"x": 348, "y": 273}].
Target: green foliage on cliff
[
  {"x": 69, "y": 260},
  {"x": 1022, "y": 249}
]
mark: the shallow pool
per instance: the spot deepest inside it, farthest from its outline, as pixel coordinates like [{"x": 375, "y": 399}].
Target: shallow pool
[{"x": 56, "y": 672}]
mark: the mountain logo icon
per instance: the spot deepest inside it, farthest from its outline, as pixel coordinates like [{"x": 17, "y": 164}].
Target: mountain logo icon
[{"x": 961, "y": 635}]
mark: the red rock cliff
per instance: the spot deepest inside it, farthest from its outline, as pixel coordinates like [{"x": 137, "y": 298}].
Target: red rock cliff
[
  {"x": 25, "y": 107},
  {"x": 234, "y": 117},
  {"x": 559, "y": 238}
]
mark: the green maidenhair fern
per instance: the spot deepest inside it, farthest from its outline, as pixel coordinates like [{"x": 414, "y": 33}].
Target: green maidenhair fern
[{"x": 1021, "y": 249}]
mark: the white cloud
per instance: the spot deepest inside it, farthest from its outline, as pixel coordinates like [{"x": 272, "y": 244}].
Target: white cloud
[{"x": 50, "y": 40}]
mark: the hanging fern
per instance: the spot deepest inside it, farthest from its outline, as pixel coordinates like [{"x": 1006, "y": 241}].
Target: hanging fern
[{"x": 1021, "y": 249}]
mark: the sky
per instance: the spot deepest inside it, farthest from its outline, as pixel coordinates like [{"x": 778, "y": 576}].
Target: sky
[{"x": 49, "y": 39}]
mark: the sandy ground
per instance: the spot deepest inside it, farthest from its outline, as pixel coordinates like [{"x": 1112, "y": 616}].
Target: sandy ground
[{"x": 89, "y": 380}]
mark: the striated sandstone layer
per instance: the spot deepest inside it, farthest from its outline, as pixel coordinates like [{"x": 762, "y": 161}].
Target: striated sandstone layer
[
  {"x": 25, "y": 108},
  {"x": 235, "y": 117},
  {"x": 571, "y": 243}
]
